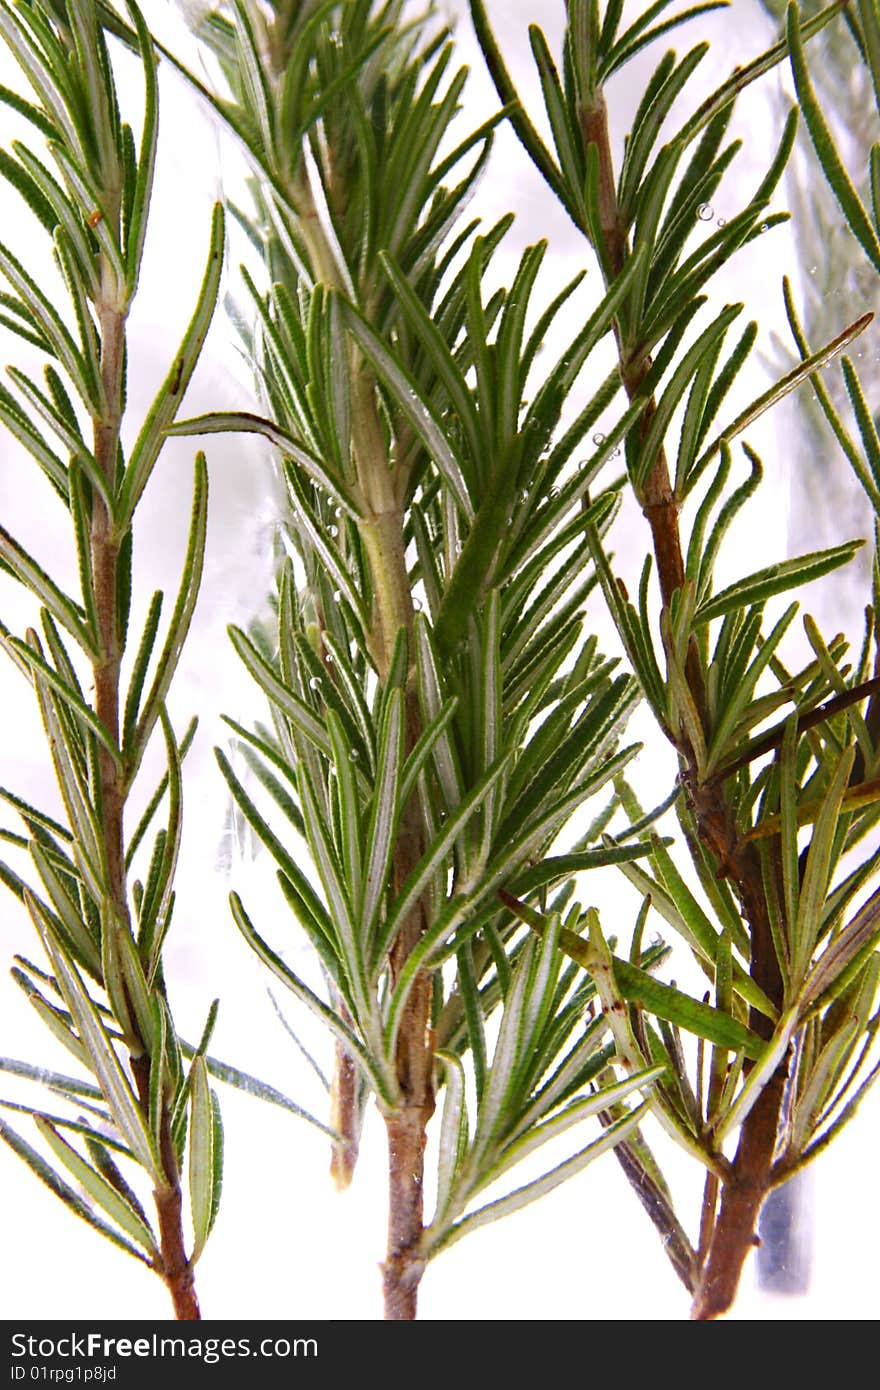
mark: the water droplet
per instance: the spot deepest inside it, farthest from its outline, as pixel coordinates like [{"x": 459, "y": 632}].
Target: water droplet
[
  {"x": 315, "y": 683},
  {"x": 598, "y": 437},
  {"x": 615, "y": 453},
  {"x": 337, "y": 595},
  {"x": 524, "y": 495},
  {"x": 337, "y": 511},
  {"x": 705, "y": 212},
  {"x": 333, "y": 530},
  {"x": 353, "y": 755},
  {"x": 417, "y": 605},
  {"x": 765, "y": 226},
  {"x": 722, "y": 222}
]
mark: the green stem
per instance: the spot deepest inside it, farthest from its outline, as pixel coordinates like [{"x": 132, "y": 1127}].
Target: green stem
[{"x": 381, "y": 530}]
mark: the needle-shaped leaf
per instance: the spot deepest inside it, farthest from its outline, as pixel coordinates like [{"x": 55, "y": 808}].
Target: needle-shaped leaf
[
  {"x": 453, "y": 1132},
  {"x": 181, "y": 618},
  {"x": 137, "y": 221},
  {"x": 62, "y": 608},
  {"x": 776, "y": 579},
  {"x": 823, "y": 142},
  {"x": 508, "y": 95},
  {"x": 242, "y": 422},
  {"x": 170, "y": 394},
  {"x": 321, "y": 924},
  {"x": 155, "y": 915},
  {"x": 379, "y": 1079},
  {"x": 664, "y": 1001},
  {"x": 103, "y": 1061},
  {"x": 202, "y": 1157},
  {"x": 787, "y": 383},
  {"x": 98, "y": 1188},
  {"x": 539, "y": 1187},
  {"x": 280, "y": 695},
  {"x": 62, "y": 1189},
  {"x": 443, "y": 361},
  {"x": 18, "y": 424},
  {"x": 79, "y": 939},
  {"x": 382, "y": 826},
  {"x": 76, "y": 706},
  {"x": 420, "y": 414},
  {"x": 436, "y": 857},
  {"x": 52, "y": 326},
  {"x": 566, "y": 133}
]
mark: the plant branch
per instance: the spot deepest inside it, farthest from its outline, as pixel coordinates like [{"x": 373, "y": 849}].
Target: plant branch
[
  {"x": 174, "y": 1266},
  {"x": 734, "y": 1228},
  {"x": 381, "y": 531}
]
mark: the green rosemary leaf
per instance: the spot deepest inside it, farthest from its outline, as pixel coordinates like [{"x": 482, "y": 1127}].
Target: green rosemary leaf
[
  {"x": 146, "y": 159},
  {"x": 155, "y": 800},
  {"x": 539, "y": 1187},
  {"x": 776, "y": 579},
  {"x": 788, "y": 383},
  {"x": 29, "y": 573},
  {"x": 443, "y": 362},
  {"x": 453, "y": 1133},
  {"x": 435, "y": 856},
  {"x": 525, "y": 130},
  {"x": 99, "y": 1050},
  {"x": 381, "y": 1083},
  {"x": 170, "y": 394},
  {"x": 179, "y": 626},
  {"x": 78, "y": 937},
  {"x": 566, "y": 138},
  {"x": 67, "y": 1194},
  {"x": 98, "y": 1189},
  {"x": 823, "y": 142},
  {"x": 202, "y": 1158},
  {"x": 139, "y": 672},
  {"x": 638, "y": 36},
  {"x": 322, "y": 923},
  {"x": 819, "y": 864},
  {"x": 646, "y": 130},
  {"x": 73, "y": 703},
  {"x": 684, "y": 374},
  {"x": 382, "y": 825},
  {"x": 280, "y": 695},
  {"x": 418, "y": 411}
]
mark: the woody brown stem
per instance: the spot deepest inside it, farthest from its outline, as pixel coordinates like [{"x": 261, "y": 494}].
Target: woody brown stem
[
  {"x": 407, "y": 1124},
  {"x": 173, "y": 1264},
  {"x": 727, "y": 1235},
  {"x": 382, "y": 533},
  {"x": 734, "y": 1232},
  {"x": 345, "y": 1116}
]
